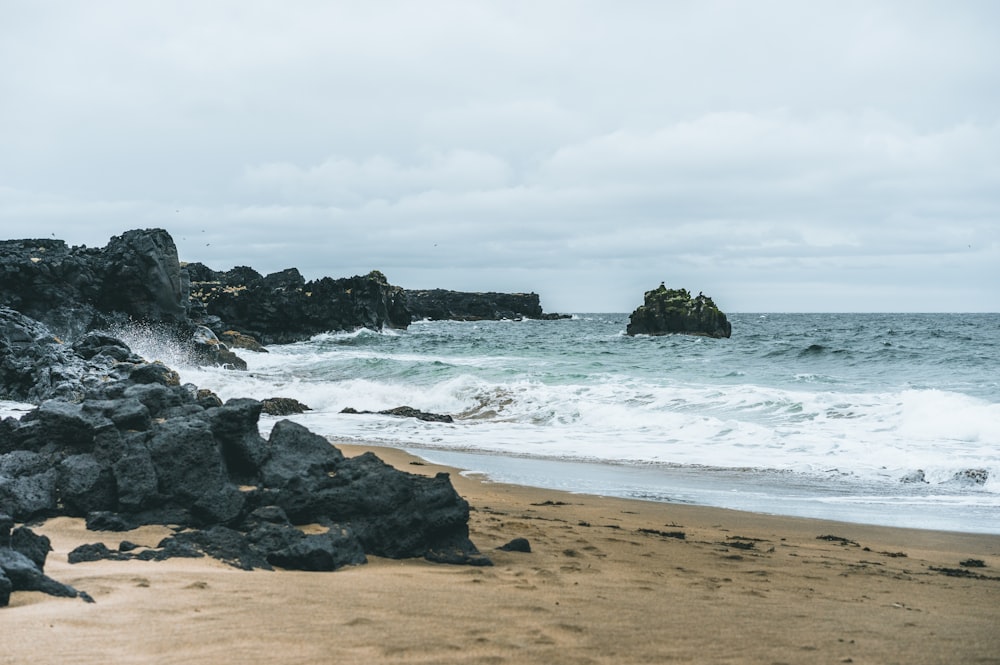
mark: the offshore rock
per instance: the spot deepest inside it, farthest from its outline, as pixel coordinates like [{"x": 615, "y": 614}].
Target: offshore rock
[
  {"x": 441, "y": 304},
  {"x": 283, "y": 307},
  {"x": 667, "y": 311},
  {"x": 404, "y": 412},
  {"x": 283, "y": 406}
]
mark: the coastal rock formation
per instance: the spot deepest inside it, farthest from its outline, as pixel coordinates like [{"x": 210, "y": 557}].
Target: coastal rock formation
[
  {"x": 283, "y": 307},
  {"x": 667, "y": 311},
  {"x": 137, "y": 447},
  {"x": 440, "y": 304},
  {"x": 36, "y": 365},
  {"x": 136, "y": 276}
]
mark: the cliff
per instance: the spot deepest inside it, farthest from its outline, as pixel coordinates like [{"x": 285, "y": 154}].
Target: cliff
[
  {"x": 283, "y": 307},
  {"x": 440, "y": 304}
]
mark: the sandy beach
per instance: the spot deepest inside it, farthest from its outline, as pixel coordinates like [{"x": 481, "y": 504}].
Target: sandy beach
[{"x": 607, "y": 581}]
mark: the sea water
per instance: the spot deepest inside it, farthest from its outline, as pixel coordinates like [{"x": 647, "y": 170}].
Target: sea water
[{"x": 877, "y": 418}]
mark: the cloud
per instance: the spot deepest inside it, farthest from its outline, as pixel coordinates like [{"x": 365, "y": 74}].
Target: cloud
[{"x": 784, "y": 154}]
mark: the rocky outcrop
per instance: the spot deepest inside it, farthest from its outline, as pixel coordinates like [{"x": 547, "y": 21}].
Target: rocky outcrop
[
  {"x": 283, "y": 307},
  {"x": 140, "y": 448},
  {"x": 443, "y": 305},
  {"x": 136, "y": 278},
  {"x": 667, "y": 311},
  {"x": 404, "y": 412},
  {"x": 75, "y": 289},
  {"x": 35, "y": 365}
]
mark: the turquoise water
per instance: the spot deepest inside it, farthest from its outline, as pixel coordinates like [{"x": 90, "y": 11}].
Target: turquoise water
[{"x": 818, "y": 414}]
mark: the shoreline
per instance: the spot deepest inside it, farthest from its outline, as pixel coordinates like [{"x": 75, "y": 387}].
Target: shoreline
[
  {"x": 783, "y": 494},
  {"x": 608, "y": 580}
]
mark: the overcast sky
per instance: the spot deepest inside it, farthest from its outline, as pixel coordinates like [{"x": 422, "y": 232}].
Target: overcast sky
[{"x": 779, "y": 156}]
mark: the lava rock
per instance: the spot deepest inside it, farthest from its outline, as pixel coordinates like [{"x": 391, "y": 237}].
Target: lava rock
[{"x": 667, "y": 311}]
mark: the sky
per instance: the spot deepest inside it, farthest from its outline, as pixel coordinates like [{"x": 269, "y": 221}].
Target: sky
[{"x": 775, "y": 155}]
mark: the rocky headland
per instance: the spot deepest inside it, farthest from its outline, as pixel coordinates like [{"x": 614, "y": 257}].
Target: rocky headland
[
  {"x": 669, "y": 311},
  {"x": 441, "y": 304},
  {"x": 119, "y": 442}
]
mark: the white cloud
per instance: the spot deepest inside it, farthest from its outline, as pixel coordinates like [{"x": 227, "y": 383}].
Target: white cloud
[{"x": 777, "y": 152}]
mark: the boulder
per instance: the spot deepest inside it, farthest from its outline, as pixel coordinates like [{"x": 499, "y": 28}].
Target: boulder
[
  {"x": 666, "y": 311},
  {"x": 22, "y": 561}
]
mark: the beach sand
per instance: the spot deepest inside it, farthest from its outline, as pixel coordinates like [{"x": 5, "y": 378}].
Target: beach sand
[{"x": 607, "y": 581}]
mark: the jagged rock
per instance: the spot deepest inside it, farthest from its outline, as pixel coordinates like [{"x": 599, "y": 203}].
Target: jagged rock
[
  {"x": 284, "y": 307},
  {"x": 441, "y": 304},
  {"x": 206, "y": 349},
  {"x": 404, "y": 412},
  {"x": 22, "y": 561},
  {"x": 135, "y": 278},
  {"x": 336, "y": 548},
  {"x": 137, "y": 275},
  {"x": 667, "y": 311},
  {"x": 238, "y": 340},
  {"x": 283, "y": 406},
  {"x": 138, "y": 448}
]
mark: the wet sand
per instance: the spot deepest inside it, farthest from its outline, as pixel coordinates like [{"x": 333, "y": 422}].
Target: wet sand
[{"x": 607, "y": 581}]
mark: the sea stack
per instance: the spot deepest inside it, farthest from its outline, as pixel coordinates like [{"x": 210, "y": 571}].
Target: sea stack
[{"x": 667, "y": 311}]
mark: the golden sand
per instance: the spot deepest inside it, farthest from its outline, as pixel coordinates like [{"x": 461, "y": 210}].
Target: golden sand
[{"x": 607, "y": 581}]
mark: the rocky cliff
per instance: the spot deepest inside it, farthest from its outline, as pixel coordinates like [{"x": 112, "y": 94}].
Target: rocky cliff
[
  {"x": 667, "y": 311},
  {"x": 283, "y": 307},
  {"x": 74, "y": 289},
  {"x": 440, "y": 304}
]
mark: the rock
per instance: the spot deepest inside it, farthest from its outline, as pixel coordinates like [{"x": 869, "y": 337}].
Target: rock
[
  {"x": 404, "y": 412},
  {"x": 667, "y": 311},
  {"x": 336, "y": 548},
  {"x": 516, "y": 545},
  {"x": 22, "y": 560},
  {"x": 238, "y": 340},
  {"x": 136, "y": 276},
  {"x": 138, "y": 448},
  {"x": 971, "y": 477},
  {"x": 917, "y": 476},
  {"x": 283, "y": 307},
  {"x": 206, "y": 349},
  {"x": 283, "y": 406},
  {"x": 440, "y": 304}
]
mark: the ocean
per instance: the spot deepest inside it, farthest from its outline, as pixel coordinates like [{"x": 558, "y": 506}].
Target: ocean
[{"x": 889, "y": 419}]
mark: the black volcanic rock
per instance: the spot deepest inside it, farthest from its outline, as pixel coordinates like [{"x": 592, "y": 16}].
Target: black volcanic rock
[
  {"x": 283, "y": 307},
  {"x": 404, "y": 412},
  {"x": 35, "y": 365},
  {"x": 22, "y": 560},
  {"x": 136, "y": 276},
  {"x": 441, "y": 304},
  {"x": 137, "y": 447},
  {"x": 667, "y": 311}
]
